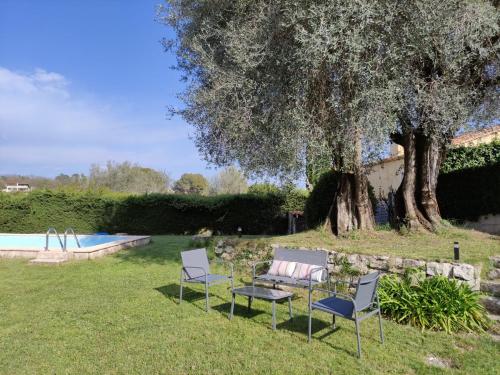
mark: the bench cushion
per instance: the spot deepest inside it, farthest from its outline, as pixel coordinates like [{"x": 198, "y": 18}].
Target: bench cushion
[
  {"x": 284, "y": 280},
  {"x": 303, "y": 271},
  {"x": 282, "y": 268}
]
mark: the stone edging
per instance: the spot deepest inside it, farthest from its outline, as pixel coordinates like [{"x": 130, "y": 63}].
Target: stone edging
[{"x": 463, "y": 272}]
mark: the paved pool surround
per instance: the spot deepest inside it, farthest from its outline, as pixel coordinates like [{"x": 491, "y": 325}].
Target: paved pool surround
[{"x": 90, "y": 252}]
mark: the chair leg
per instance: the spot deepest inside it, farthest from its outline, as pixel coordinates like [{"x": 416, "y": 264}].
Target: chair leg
[
  {"x": 206, "y": 296},
  {"x": 380, "y": 326},
  {"x": 358, "y": 338},
  {"x": 232, "y": 307},
  {"x": 180, "y": 292},
  {"x": 309, "y": 326},
  {"x": 334, "y": 325}
]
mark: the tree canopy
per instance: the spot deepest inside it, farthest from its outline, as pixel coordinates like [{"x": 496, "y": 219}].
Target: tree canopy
[{"x": 191, "y": 183}]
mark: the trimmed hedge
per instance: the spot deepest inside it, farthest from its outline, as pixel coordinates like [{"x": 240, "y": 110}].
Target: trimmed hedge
[
  {"x": 471, "y": 157},
  {"x": 141, "y": 214},
  {"x": 469, "y": 193}
]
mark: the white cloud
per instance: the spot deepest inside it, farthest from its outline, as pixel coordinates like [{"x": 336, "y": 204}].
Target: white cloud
[{"x": 47, "y": 128}]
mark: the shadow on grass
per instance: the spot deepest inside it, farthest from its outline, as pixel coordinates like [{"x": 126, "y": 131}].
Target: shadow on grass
[{"x": 239, "y": 310}]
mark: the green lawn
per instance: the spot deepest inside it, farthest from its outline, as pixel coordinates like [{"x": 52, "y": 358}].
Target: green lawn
[
  {"x": 120, "y": 314},
  {"x": 475, "y": 247}
]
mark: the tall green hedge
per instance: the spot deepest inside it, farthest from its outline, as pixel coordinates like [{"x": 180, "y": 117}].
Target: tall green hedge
[
  {"x": 469, "y": 193},
  {"x": 141, "y": 214},
  {"x": 469, "y": 182},
  {"x": 471, "y": 157}
]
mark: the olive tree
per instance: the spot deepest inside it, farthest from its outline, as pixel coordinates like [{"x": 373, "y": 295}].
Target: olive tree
[
  {"x": 273, "y": 84},
  {"x": 446, "y": 78}
]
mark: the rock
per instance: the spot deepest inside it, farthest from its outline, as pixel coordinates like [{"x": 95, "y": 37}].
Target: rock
[
  {"x": 413, "y": 263},
  {"x": 491, "y": 287},
  {"x": 437, "y": 362},
  {"x": 229, "y": 249},
  {"x": 463, "y": 272},
  {"x": 379, "y": 262},
  {"x": 494, "y": 274},
  {"x": 496, "y": 261},
  {"x": 436, "y": 268},
  {"x": 492, "y": 304},
  {"x": 219, "y": 250},
  {"x": 396, "y": 265}
]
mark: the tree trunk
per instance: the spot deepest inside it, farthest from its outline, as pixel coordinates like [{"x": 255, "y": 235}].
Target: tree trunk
[
  {"x": 430, "y": 157},
  {"x": 406, "y": 204}
]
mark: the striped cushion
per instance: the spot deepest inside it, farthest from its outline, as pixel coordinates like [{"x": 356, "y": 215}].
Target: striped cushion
[
  {"x": 282, "y": 268},
  {"x": 303, "y": 270}
]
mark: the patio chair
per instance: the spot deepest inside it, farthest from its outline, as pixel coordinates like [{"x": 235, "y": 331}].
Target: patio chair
[
  {"x": 357, "y": 308},
  {"x": 196, "y": 269}
]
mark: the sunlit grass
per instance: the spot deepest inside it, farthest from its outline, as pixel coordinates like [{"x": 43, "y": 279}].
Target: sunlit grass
[{"x": 120, "y": 314}]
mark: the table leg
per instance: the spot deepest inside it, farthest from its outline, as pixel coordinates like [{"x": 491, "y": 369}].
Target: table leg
[
  {"x": 290, "y": 307},
  {"x": 274, "y": 315},
  {"x": 232, "y": 307},
  {"x": 250, "y": 303}
]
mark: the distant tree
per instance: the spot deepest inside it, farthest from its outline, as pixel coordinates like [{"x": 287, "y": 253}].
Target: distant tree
[
  {"x": 191, "y": 183},
  {"x": 128, "y": 177},
  {"x": 263, "y": 188},
  {"x": 229, "y": 181}
]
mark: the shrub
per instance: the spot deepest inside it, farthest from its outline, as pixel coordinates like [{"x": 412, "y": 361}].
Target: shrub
[
  {"x": 435, "y": 303},
  {"x": 141, "y": 214},
  {"x": 471, "y": 157},
  {"x": 469, "y": 193}
]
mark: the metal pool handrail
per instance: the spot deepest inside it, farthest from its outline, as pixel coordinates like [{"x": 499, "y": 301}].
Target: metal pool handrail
[
  {"x": 70, "y": 231},
  {"x": 52, "y": 230}
]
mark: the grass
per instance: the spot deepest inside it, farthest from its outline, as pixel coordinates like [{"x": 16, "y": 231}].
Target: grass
[
  {"x": 475, "y": 247},
  {"x": 120, "y": 314}
]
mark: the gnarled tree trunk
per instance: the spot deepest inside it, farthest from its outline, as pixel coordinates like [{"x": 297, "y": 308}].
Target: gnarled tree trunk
[
  {"x": 431, "y": 153},
  {"x": 407, "y": 209}
]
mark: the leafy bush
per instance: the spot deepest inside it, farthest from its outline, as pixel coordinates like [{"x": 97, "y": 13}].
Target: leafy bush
[
  {"x": 435, "y": 303},
  {"x": 141, "y": 214},
  {"x": 471, "y": 157},
  {"x": 469, "y": 193}
]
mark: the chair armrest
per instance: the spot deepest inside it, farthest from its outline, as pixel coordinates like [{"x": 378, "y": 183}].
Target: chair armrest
[
  {"x": 257, "y": 263},
  {"x": 315, "y": 270},
  {"x": 230, "y": 264}
]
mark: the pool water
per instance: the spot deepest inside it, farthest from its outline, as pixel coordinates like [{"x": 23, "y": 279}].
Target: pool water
[{"x": 37, "y": 241}]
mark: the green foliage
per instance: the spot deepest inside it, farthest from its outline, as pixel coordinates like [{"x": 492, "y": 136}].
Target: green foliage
[
  {"x": 229, "y": 181},
  {"x": 295, "y": 199},
  {"x": 129, "y": 178},
  {"x": 471, "y": 157},
  {"x": 191, "y": 183},
  {"x": 140, "y": 214},
  {"x": 435, "y": 303},
  {"x": 469, "y": 193},
  {"x": 321, "y": 198},
  {"x": 263, "y": 188}
]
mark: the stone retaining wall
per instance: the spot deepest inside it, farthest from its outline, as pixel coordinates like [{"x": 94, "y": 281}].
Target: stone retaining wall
[{"x": 388, "y": 264}]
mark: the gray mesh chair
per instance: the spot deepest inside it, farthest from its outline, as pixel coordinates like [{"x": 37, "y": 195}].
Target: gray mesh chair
[
  {"x": 357, "y": 308},
  {"x": 196, "y": 269}
]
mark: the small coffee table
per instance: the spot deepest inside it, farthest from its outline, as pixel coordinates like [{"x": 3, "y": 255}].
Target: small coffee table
[{"x": 272, "y": 295}]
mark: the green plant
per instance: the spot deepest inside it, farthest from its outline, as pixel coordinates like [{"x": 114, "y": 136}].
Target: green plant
[
  {"x": 471, "y": 157},
  {"x": 435, "y": 303},
  {"x": 468, "y": 193}
]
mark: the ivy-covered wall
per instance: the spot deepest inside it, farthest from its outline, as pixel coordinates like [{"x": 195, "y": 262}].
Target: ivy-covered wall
[{"x": 471, "y": 157}]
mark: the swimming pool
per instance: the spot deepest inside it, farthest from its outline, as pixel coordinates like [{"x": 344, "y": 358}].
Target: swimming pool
[{"x": 91, "y": 245}]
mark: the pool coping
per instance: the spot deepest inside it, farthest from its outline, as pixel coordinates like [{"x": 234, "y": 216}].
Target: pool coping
[{"x": 90, "y": 252}]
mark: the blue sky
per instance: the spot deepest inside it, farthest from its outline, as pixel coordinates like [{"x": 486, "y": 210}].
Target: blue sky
[{"x": 84, "y": 82}]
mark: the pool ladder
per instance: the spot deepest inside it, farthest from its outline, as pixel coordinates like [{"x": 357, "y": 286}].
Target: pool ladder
[{"x": 66, "y": 233}]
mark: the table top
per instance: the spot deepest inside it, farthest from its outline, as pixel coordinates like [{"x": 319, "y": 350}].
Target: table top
[{"x": 260, "y": 292}]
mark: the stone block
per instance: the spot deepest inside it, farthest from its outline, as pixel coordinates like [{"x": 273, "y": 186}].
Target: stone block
[
  {"x": 492, "y": 304},
  {"x": 379, "y": 263},
  {"x": 463, "y": 272},
  {"x": 413, "y": 263},
  {"x": 436, "y": 268},
  {"x": 491, "y": 287}
]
